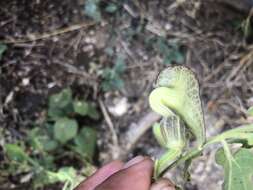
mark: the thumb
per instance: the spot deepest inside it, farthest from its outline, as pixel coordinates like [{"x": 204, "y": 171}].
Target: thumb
[
  {"x": 135, "y": 177},
  {"x": 100, "y": 175}
]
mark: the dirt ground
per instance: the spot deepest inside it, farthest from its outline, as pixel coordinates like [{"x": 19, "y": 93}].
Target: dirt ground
[{"x": 52, "y": 45}]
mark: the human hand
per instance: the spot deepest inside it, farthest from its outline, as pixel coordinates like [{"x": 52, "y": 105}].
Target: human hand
[{"x": 135, "y": 175}]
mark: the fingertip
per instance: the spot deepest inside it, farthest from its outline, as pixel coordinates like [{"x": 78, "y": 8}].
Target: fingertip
[
  {"x": 148, "y": 163},
  {"x": 145, "y": 167},
  {"x": 110, "y": 168},
  {"x": 142, "y": 170},
  {"x": 133, "y": 161},
  {"x": 139, "y": 163},
  {"x": 137, "y": 176},
  {"x": 101, "y": 175},
  {"x": 117, "y": 164}
]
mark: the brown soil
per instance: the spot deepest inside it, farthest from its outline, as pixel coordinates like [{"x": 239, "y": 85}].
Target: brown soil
[{"x": 32, "y": 69}]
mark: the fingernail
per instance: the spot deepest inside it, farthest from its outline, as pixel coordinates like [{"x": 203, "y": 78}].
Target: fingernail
[{"x": 133, "y": 161}]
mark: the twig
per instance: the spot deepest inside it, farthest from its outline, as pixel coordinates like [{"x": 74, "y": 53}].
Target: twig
[
  {"x": 35, "y": 37},
  {"x": 129, "y": 10},
  {"x": 156, "y": 29},
  {"x": 243, "y": 6},
  {"x": 214, "y": 72},
  {"x": 128, "y": 51},
  {"x": 246, "y": 60},
  {"x": 71, "y": 69},
  {"x": 111, "y": 128},
  {"x": 233, "y": 105}
]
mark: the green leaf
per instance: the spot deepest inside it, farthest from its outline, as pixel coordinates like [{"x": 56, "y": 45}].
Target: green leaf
[
  {"x": 60, "y": 104},
  {"x": 66, "y": 175},
  {"x": 65, "y": 129},
  {"x": 41, "y": 141},
  {"x": 174, "y": 55},
  {"x": 47, "y": 161},
  {"x": 113, "y": 82},
  {"x": 49, "y": 145},
  {"x": 238, "y": 169},
  {"x": 250, "y": 111},
  {"x": 61, "y": 99},
  {"x": 220, "y": 156},
  {"x": 111, "y": 8},
  {"x": 170, "y": 52},
  {"x": 16, "y": 153},
  {"x": 81, "y": 107},
  {"x": 56, "y": 113},
  {"x": 109, "y": 51},
  {"x": 93, "y": 113},
  {"x": 92, "y": 10},
  {"x": 86, "y": 142},
  {"x": 120, "y": 66},
  {"x": 112, "y": 77},
  {"x": 3, "y": 48},
  {"x": 163, "y": 46},
  {"x": 107, "y": 73},
  {"x": 34, "y": 136},
  {"x": 40, "y": 179}
]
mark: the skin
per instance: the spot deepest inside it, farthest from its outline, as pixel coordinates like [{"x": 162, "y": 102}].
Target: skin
[{"x": 135, "y": 174}]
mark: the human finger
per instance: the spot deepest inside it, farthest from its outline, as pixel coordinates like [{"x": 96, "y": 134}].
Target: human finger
[
  {"x": 136, "y": 176},
  {"x": 100, "y": 175},
  {"x": 163, "y": 184}
]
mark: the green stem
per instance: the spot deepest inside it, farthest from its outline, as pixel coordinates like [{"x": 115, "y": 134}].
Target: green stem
[
  {"x": 229, "y": 159},
  {"x": 237, "y": 133},
  {"x": 165, "y": 161}
]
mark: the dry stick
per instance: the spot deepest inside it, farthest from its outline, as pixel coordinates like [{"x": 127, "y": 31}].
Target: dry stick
[
  {"x": 112, "y": 130},
  {"x": 137, "y": 130},
  {"x": 233, "y": 105},
  {"x": 246, "y": 65},
  {"x": 214, "y": 72},
  {"x": 35, "y": 37},
  {"x": 244, "y": 61},
  {"x": 243, "y": 6},
  {"x": 128, "y": 51},
  {"x": 72, "y": 69},
  {"x": 129, "y": 10}
]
